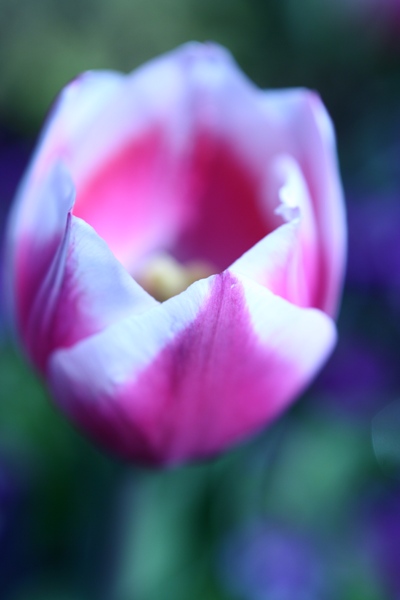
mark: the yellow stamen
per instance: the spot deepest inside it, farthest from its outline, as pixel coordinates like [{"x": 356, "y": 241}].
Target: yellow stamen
[{"x": 163, "y": 276}]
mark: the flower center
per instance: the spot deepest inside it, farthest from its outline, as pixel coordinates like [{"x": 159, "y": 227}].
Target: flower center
[{"x": 163, "y": 277}]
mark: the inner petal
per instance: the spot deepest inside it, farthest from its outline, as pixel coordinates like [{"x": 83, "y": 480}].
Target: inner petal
[
  {"x": 229, "y": 213},
  {"x": 197, "y": 204},
  {"x": 134, "y": 201}
]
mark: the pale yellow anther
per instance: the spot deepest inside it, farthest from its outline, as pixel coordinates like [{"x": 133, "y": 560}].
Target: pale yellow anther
[{"x": 163, "y": 276}]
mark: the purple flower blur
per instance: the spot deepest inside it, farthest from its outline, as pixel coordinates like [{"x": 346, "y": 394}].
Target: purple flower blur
[
  {"x": 383, "y": 538},
  {"x": 359, "y": 378},
  {"x": 374, "y": 243},
  {"x": 268, "y": 562}
]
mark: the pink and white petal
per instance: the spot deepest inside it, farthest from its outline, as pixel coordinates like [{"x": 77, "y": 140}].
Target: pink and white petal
[
  {"x": 33, "y": 237},
  {"x": 194, "y": 375},
  {"x": 85, "y": 290},
  {"x": 74, "y": 118},
  {"x": 265, "y": 126},
  {"x": 306, "y": 132},
  {"x": 285, "y": 261},
  {"x": 275, "y": 263},
  {"x": 46, "y": 194},
  {"x": 173, "y": 93},
  {"x": 330, "y": 210},
  {"x": 75, "y": 111}
]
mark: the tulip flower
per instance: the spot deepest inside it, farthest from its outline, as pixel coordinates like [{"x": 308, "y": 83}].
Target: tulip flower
[{"x": 175, "y": 254}]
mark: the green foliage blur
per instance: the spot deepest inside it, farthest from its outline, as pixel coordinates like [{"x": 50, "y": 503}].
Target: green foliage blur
[{"x": 80, "y": 525}]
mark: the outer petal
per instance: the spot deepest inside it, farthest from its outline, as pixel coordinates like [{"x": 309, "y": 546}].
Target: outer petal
[
  {"x": 34, "y": 234},
  {"x": 307, "y": 133},
  {"x": 275, "y": 263},
  {"x": 70, "y": 129},
  {"x": 194, "y": 374},
  {"x": 85, "y": 290},
  {"x": 64, "y": 284},
  {"x": 74, "y": 112},
  {"x": 285, "y": 261}
]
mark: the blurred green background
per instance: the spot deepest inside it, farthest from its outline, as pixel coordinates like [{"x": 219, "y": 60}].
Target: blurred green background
[{"x": 310, "y": 508}]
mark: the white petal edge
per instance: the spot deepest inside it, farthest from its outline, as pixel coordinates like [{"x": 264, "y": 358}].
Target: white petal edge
[
  {"x": 306, "y": 131},
  {"x": 41, "y": 223}
]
